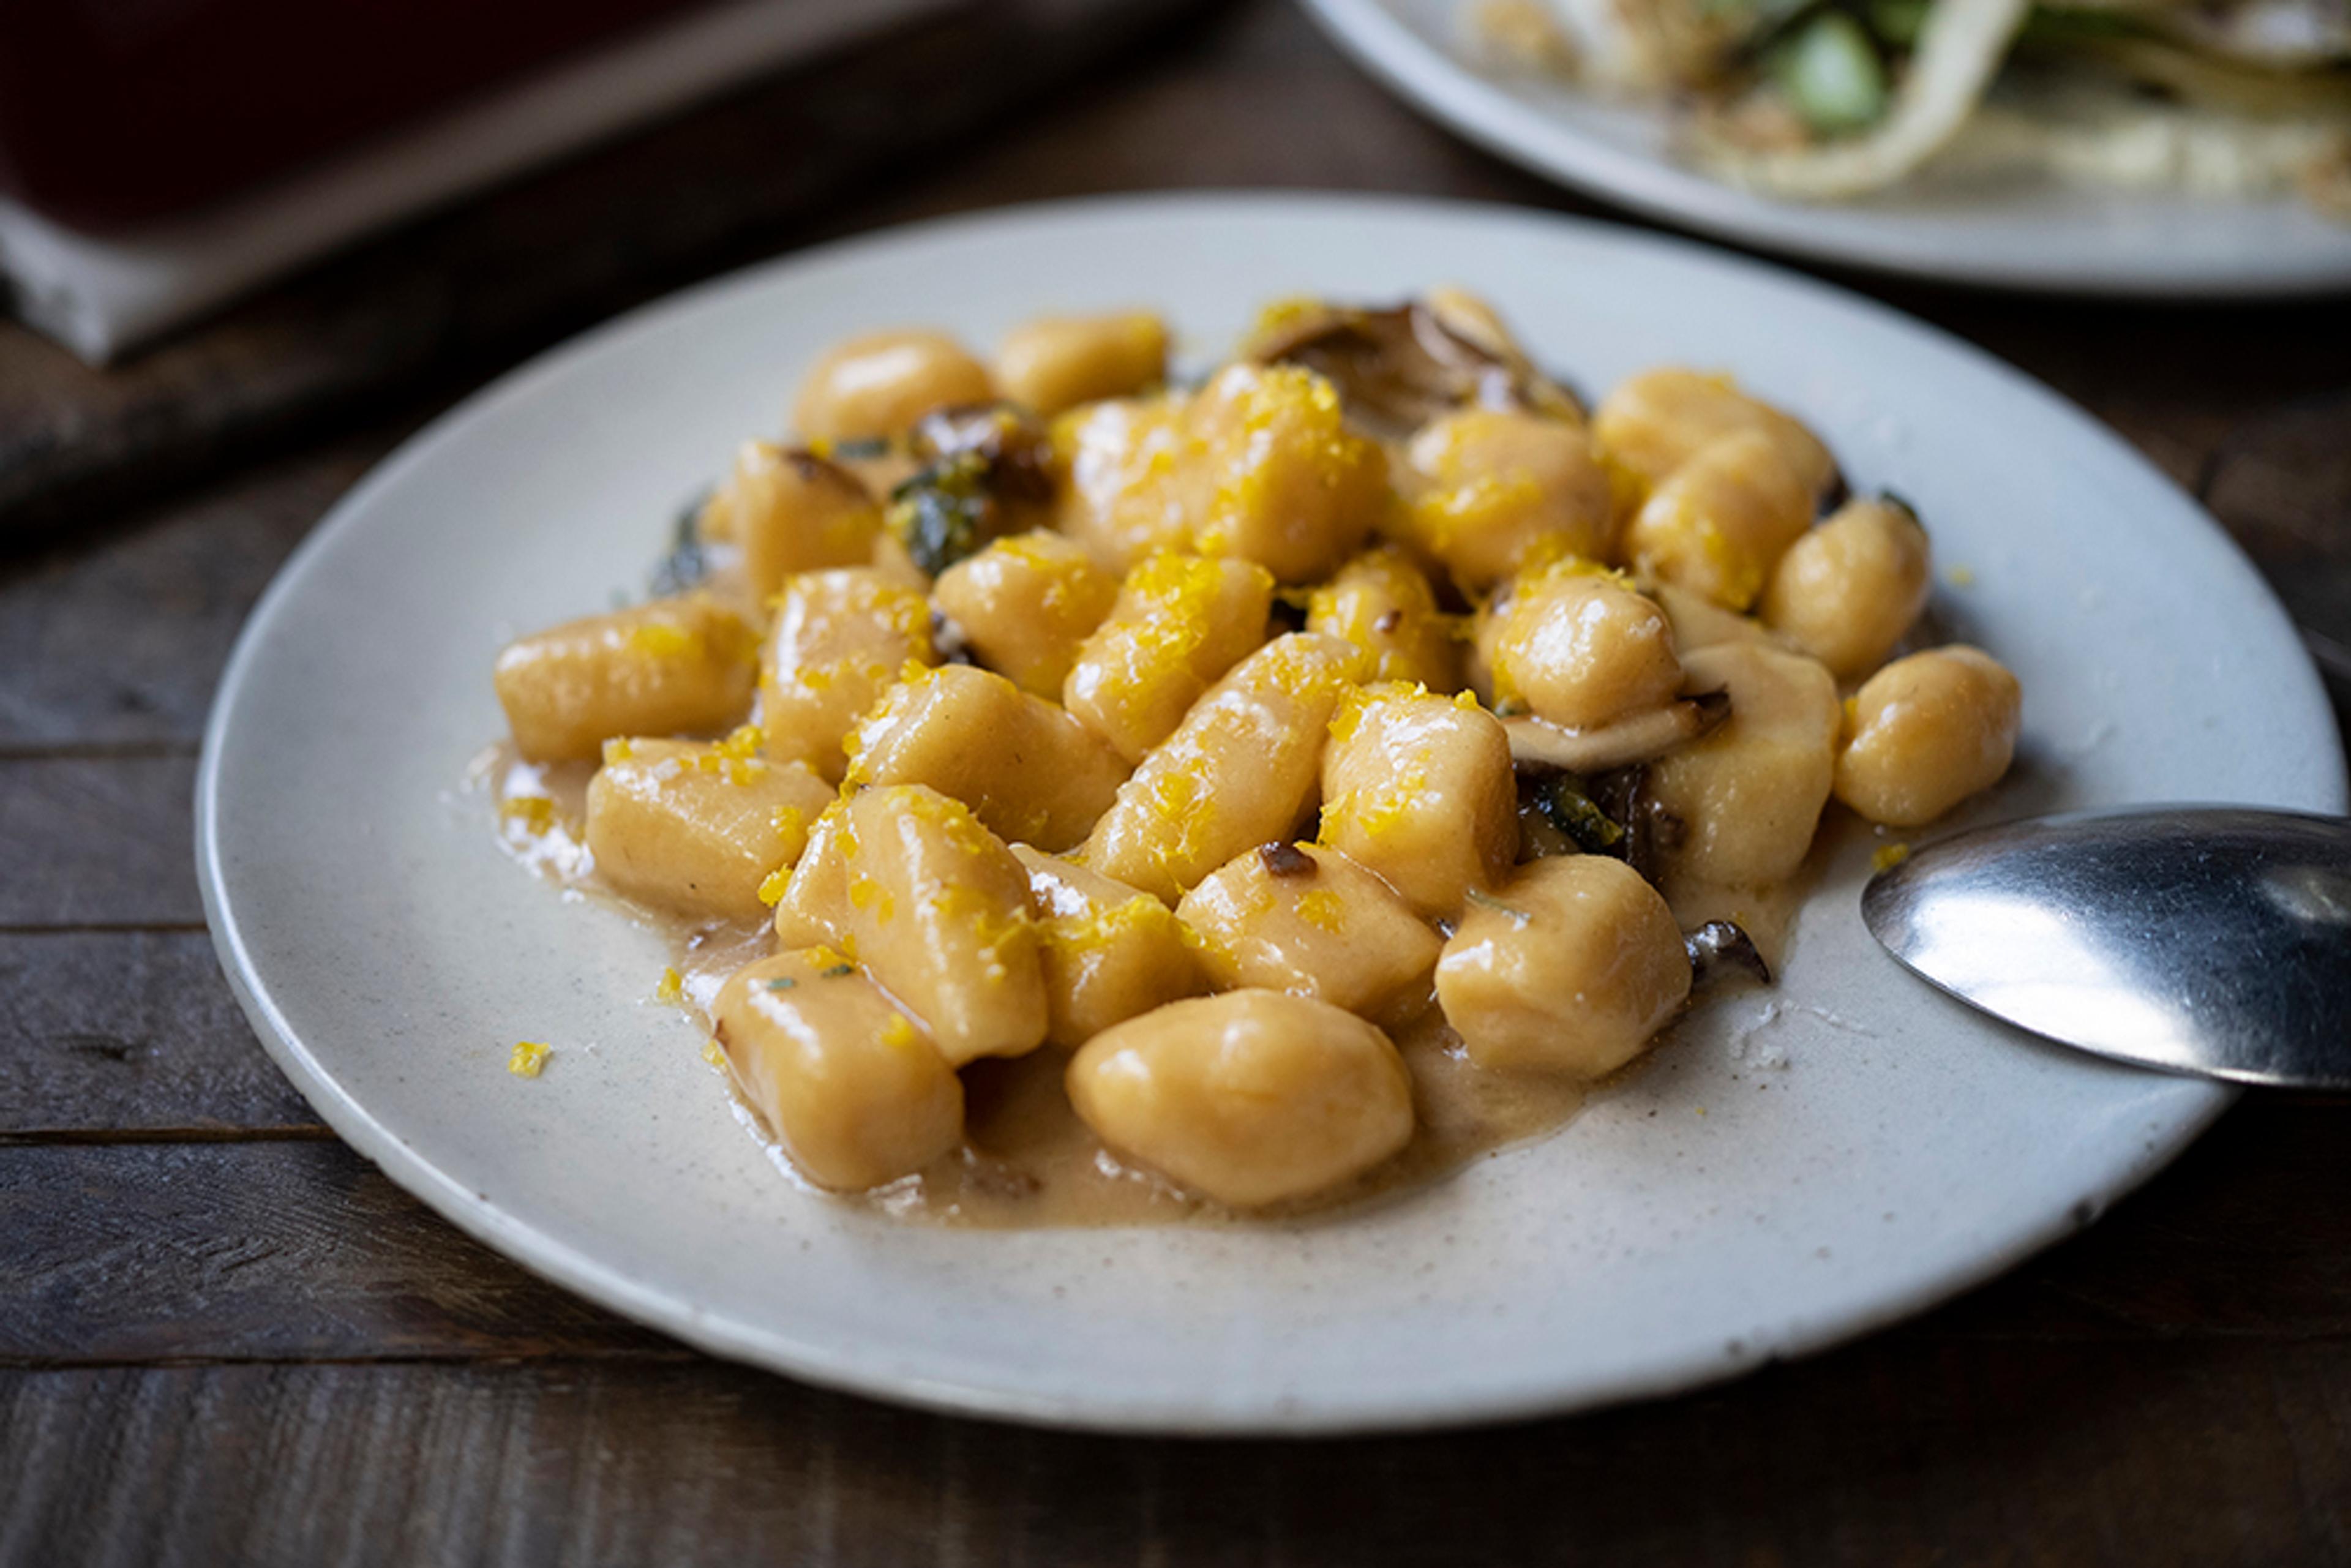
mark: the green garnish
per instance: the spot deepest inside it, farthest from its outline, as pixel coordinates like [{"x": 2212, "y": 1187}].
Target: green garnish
[
  {"x": 1566, "y": 807},
  {"x": 685, "y": 564},
  {"x": 1489, "y": 901},
  {"x": 836, "y": 971},
  {"x": 943, "y": 513},
  {"x": 1830, "y": 71},
  {"x": 860, "y": 449},
  {"x": 784, "y": 983}
]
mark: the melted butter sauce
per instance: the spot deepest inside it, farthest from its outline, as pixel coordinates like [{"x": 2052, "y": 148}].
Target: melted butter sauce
[{"x": 1026, "y": 1160}]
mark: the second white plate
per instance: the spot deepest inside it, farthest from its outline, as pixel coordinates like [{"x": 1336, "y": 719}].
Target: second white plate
[
  {"x": 2031, "y": 235},
  {"x": 1791, "y": 1169}
]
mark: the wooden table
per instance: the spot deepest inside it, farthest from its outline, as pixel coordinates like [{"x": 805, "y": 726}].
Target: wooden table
[{"x": 223, "y": 1338}]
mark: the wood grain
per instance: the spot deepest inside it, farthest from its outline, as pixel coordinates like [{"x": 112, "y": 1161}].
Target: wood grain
[
  {"x": 131, "y": 1034},
  {"x": 120, "y": 646},
  {"x": 224, "y": 1338},
  {"x": 299, "y": 1250},
  {"x": 98, "y": 840},
  {"x": 1891, "y": 1452},
  {"x": 267, "y": 1251}
]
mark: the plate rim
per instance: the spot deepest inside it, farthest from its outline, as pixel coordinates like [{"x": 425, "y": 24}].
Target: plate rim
[
  {"x": 669, "y": 1311},
  {"x": 1448, "y": 91}
]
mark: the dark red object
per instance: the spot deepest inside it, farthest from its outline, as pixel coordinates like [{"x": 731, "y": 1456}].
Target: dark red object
[{"x": 116, "y": 111}]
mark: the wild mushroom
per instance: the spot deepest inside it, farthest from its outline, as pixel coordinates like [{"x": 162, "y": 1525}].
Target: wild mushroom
[
  {"x": 1539, "y": 743},
  {"x": 1399, "y": 367},
  {"x": 986, "y": 471},
  {"x": 1720, "y": 947}
]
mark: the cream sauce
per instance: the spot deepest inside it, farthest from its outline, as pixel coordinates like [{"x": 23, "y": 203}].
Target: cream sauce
[{"x": 1026, "y": 1160}]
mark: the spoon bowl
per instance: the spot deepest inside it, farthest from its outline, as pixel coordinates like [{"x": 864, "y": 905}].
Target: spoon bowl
[{"x": 2213, "y": 941}]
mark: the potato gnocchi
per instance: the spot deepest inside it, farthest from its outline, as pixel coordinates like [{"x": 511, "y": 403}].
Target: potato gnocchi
[{"x": 1081, "y": 794}]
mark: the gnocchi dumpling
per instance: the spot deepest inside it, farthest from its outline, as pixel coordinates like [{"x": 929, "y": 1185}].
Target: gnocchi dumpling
[
  {"x": 1419, "y": 788},
  {"x": 846, "y": 1080},
  {"x": 699, "y": 829},
  {"x": 1748, "y": 794},
  {"x": 1846, "y": 592},
  {"x": 1579, "y": 648},
  {"x": 1205, "y": 731},
  {"x": 791, "y": 511},
  {"x": 840, "y": 640},
  {"x": 676, "y": 666},
  {"x": 1250, "y": 1098},
  {"x": 1927, "y": 732},
  {"x": 1027, "y": 769},
  {"x": 1025, "y": 605},
  {"x": 1241, "y": 771},
  {"x": 1494, "y": 492},
  {"x": 1180, "y": 621},
  {"x": 883, "y": 384},
  {"x": 1061, "y": 361},
  {"x": 1570, "y": 966},
  {"x": 1382, "y": 603},
  {"x": 1110, "y": 952},
  {"x": 1304, "y": 919},
  {"x": 938, "y": 913},
  {"x": 1653, "y": 423}
]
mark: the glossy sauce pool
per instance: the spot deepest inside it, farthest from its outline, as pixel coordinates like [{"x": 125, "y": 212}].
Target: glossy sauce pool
[{"x": 1027, "y": 1159}]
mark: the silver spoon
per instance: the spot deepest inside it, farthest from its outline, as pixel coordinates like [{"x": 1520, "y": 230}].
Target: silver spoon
[{"x": 2212, "y": 941}]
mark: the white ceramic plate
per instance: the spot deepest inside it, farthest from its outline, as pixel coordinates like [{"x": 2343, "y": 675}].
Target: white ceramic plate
[
  {"x": 1791, "y": 1170},
  {"x": 2023, "y": 234}
]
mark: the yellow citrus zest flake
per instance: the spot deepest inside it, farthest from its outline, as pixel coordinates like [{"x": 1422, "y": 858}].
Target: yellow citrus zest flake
[
  {"x": 824, "y": 958},
  {"x": 1888, "y": 856},
  {"x": 671, "y": 989},
  {"x": 618, "y": 749},
  {"x": 1466, "y": 701},
  {"x": 528, "y": 1059},
  {"x": 535, "y": 812},
  {"x": 864, "y": 893},
  {"x": 1322, "y": 908},
  {"x": 898, "y": 1033},
  {"x": 1099, "y": 928},
  {"x": 1286, "y": 314},
  {"x": 771, "y": 890},
  {"x": 662, "y": 639},
  {"x": 713, "y": 1052}
]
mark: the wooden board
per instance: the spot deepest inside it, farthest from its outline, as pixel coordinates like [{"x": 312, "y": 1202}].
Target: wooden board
[{"x": 223, "y": 1338}]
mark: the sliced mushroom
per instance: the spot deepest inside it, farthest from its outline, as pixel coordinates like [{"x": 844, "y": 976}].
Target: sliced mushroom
[
  {"x": 987, "y": 472},
  {"x": 1017, "y": 451},
  {"x": 1398, "y": 368},
  {"x": 1650, "y": 831},
  {"x": 1539, "y": 743},
  {"x": 1720, "y": 947}
]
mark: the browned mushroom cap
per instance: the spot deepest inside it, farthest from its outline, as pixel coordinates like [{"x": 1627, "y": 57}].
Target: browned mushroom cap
[
  {"x": 1014, "y": 448},
  {"x": 1399, "y": 367},
  {"x": 1539, "y": 743},
  {"x": 1719, "y": 948}
]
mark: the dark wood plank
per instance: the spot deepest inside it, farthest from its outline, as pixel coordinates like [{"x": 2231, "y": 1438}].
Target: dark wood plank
[
  {"x": 1895, "y": 1452},
  {"x": 300, "y": 1249},
  {"x": 258, "y": 1251},
  {"x": 454, "y": 296},
  {"x": 98, "y": 840},
  {"x": 120, "y": 646},
  {"x": 2282, "y": 482},
  {"x": 131, "y": 1034}
]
